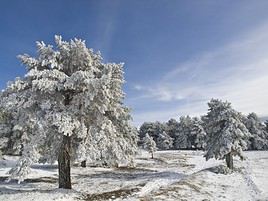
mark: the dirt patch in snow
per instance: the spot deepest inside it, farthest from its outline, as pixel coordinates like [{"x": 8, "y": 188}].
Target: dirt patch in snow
[
  {"x": 134, "y": 169},
  {"x": 121, "y": 193}
]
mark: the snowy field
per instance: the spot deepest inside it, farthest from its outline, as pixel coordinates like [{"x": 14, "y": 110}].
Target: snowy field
[{"x": 172, "y": 175}]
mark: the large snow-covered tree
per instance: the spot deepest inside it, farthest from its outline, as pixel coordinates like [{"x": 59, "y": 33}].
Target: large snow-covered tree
[
  {"x": 226, "y": 132},
  {"x": 259, "y": 135},
  {"x": 69, "y": 104},
  {"x": 149, "y": 144}
]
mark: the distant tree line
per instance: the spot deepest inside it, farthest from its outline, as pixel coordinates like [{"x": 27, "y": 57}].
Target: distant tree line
[{"x": 191, "y": 133}]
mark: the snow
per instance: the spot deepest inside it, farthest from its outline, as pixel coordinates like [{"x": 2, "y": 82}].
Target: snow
[
  {"x": 172, "y": 175},
  {"x": 258, "y": 172}
]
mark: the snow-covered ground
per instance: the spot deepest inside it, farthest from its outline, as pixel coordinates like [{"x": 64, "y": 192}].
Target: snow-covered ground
[{"x": 172, "y": 175}]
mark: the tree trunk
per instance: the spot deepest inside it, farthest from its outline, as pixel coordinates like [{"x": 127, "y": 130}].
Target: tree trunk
[
  {"x": 84, "y": 163},
  {"x": 152, "y": 155},
  {"x": 64, "y": 163},
  {"x": 21, "y": 149},
  {"x": 229, "y": 160}
]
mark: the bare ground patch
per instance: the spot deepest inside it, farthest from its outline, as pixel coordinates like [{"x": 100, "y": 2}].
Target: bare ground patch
[{"x": 121, "y": 193}]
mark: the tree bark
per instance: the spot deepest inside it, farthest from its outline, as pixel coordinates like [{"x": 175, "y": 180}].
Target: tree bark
[
  {"x": 64, "y": 163},
  {"x": 84, "y": 163},
  {"x": 229, "y": 160}
]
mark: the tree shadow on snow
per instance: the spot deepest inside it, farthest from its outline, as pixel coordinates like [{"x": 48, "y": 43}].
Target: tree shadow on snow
[
  {"x": 219, "y": 169},
  {"x": 10, "y": 190},
  {"x": 128, "y": 176},
  {"x": 46, "y": 167},
  {"x": 29, "y": 186},
  {"x": 52, "y": 180}
]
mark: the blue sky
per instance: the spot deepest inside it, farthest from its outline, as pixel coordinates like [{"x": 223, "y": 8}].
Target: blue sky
[{"x": 177, "y": 54}]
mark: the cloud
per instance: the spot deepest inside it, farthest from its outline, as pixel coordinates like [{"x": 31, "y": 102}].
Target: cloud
[
  {"x": 138, "y": 87},
  {"x": 108, "y": 27},
  {"x": 237, "y": 72}
]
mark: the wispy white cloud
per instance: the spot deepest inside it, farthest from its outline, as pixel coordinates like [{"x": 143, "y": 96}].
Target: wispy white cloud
[
  {"x": 138, "y": 87},
  {"x": 108, "y": 26},
  {"x": 237, "y": 72}
]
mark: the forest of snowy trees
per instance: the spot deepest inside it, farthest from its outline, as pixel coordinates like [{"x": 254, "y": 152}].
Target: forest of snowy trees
[
  {"x": 222, "y": 133},
  {"x": 192, "y": 132}
]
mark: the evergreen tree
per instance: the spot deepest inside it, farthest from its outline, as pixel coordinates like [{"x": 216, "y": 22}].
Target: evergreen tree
[
  {"x": 227, "y": 135},
  {"x": 149, "y": 144},
  {"x": 5, "y": 131},
  {"x": 198, "y": 133},
  {"x": 164, "y": 141},
  {"x": 154, "y": 129},
  {"x": 13, "y": 131},
  {"x": 259, "y": 136},
  {"x": 183, "y": 138},
  {"x": 69, "y": 100},
  {"x": 266, "y": 125},
  {"x": 171, "y": 127},
  {"x": 146, "y": 127}
]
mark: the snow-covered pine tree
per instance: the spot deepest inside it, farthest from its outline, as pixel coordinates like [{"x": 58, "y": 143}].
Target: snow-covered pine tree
[
  {"x": 171, "y": 127},
  {"x": 259, "y": 136},
  {"x": 146, "y": 128},
  {"x": 198, "y": 133},
  {"x": 183, "y": 133},
  {"x": 164, "y": 141},
  {"x": 227, "y": 135},
  {"x": 152, "y": 128},
  {"x": 67, "y": 102},
  {"x": 266, "y": 125},
  {"x": 149, "y": 144},
  {"x": 5, "y": 131},
  {"x": 120, "y": 117},
  {"x": 15, "y": 130}
]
